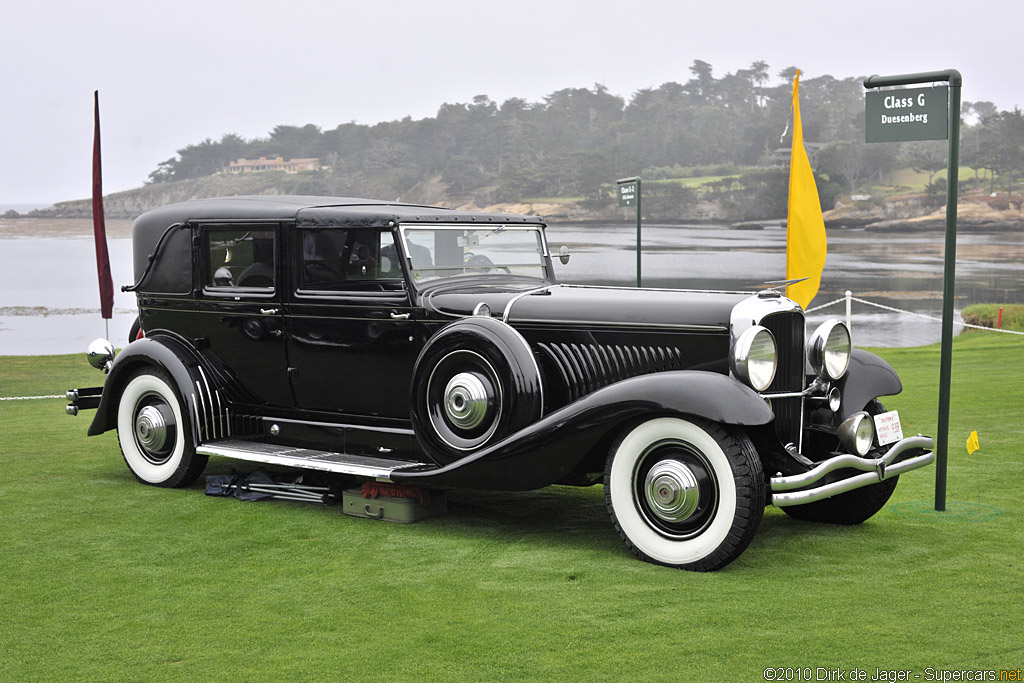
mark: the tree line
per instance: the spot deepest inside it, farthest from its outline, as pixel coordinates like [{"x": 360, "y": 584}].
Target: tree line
[{"x": 577, "y": 140}]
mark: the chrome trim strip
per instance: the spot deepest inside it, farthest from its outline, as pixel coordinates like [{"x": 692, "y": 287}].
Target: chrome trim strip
[
  {"x": 304, "y": 458},
  {"x": 791, "y": 394},
  {"x": 209, "y": 393},
  {"x": 876, "y": 469},
  {"x": 340, "y": 425},
  {"x": 402, "y": 227},
  {"x": 206, "y": 415},
  {"x": 624, "y": 325},
  {"x": 660, "y": 289},
  {"x": 508, "y": 307},
  {"x": 195, "y": 423},
  {"x": 220, "y": 412}
]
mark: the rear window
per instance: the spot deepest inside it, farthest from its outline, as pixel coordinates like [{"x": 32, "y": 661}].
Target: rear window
[{"x": 240, "y": 259}]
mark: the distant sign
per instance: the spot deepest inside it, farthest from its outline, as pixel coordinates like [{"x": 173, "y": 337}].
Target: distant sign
[
  {"x": 907, "y": 114},
  {"x": 627, "y": 193}
]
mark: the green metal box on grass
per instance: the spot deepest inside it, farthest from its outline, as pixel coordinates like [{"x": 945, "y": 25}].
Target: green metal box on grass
[{"x": 392, "y": 509}]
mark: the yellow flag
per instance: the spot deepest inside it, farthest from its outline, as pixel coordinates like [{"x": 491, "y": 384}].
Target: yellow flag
[
  {"x": 805, "y": 232},
  {"x": 972, "y": 443}
]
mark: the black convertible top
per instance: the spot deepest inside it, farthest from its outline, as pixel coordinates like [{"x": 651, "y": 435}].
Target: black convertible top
[
  {"x": 304, "y": 211},
  {"x": 327, "y": 211}
]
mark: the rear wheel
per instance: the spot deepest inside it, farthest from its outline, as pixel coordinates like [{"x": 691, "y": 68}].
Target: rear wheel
[
  {"x": 852, "y": 507},
  {"x": 154, "y": 431},
  {"x": 685, "y": 493}
]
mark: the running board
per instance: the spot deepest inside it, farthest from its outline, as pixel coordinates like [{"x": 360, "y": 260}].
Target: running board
[{"x": 306, "y": 458}]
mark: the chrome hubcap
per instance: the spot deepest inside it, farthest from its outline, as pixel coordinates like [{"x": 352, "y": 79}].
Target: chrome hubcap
[
  {"x": 465, "y": 400},
  {"x": 151, "y": 429},
  {"x": 671, "y": 491}
]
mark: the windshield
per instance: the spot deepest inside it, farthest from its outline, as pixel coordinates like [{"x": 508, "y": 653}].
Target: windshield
[{"x": 452, "y": 251}]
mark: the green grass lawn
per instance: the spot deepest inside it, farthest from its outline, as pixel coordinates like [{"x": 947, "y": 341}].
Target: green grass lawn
[{"x": 102, "y": 578}]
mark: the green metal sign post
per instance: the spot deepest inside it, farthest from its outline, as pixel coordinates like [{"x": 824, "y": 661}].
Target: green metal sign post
[
  {"x": 908, "y": 112},
  {"x": 629, "y": 195}
]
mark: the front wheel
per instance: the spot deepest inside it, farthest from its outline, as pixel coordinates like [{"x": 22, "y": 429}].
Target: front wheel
[
  {"x": 153, "y": 429},
  {"x": 684, "y": 493}
]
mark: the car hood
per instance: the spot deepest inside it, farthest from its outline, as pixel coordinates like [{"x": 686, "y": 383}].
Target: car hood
[{"x": 576, "y": 305}]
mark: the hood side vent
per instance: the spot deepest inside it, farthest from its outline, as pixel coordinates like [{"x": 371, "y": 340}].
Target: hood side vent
[{"x": 585, "y": 368}]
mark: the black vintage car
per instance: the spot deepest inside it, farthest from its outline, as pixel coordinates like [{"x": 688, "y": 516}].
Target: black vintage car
[{"x": 433, "y": 347}]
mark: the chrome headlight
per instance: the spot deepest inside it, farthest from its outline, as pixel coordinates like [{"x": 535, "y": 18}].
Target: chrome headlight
[
  {"x": 754, "y": 358},
  {"x": 828, "y": 349},
  {"x": 857, "y": 432}
]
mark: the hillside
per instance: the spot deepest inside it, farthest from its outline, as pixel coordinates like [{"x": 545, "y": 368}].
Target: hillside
[
  {"x": 432, "y": 191},
  {"x": 708, "y": 149},
  {"x": 701, "y": 204}
]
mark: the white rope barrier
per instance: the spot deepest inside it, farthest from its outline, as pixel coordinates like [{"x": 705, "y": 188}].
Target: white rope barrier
[
  {"x": 27, "y": 398},
  {"x": 830, "y": 303},
  {"x": 844, "y": 299},
  {"x": 900, "y": 310}
]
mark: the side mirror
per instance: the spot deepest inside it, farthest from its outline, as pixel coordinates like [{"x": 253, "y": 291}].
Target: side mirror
[{"x": 563, "y": 254}]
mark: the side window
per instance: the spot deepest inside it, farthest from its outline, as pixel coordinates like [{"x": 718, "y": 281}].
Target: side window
[
  {"x": 239, "y": 259},
  {"x": 337, "y": 260}
]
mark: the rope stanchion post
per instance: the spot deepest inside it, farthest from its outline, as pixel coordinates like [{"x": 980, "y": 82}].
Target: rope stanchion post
[{"x": 849, "y": 309}]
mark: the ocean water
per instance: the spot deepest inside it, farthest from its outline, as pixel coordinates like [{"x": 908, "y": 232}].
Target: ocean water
[{"x": 49, "y": 297}]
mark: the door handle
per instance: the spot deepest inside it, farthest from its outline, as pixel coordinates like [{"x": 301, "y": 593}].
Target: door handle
[
  {"x": 269, "y": 311},
  {"x": 399, "y": 316}
]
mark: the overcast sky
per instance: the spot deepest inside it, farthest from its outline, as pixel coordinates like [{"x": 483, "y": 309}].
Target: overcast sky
[{"x": 174, "y": 73}]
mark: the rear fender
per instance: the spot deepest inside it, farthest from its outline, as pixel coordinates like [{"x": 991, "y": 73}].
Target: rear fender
[
  {"x": 196, "y": 385},
  {"x": 549, "y": 449}
]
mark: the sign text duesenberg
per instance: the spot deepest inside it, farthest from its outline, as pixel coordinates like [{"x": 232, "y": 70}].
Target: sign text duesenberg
[{"x": 908, "y": 114}]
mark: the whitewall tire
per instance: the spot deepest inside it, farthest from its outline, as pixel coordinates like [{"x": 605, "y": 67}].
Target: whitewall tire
[
  {"x": 154, "y": 432},
  {"x": 684, "y": 493}
]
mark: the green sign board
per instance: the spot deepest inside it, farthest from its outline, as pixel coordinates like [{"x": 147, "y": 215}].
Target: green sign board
[
  {"x": 907, "y": 114},
  {"x": 627, "y": 193}
]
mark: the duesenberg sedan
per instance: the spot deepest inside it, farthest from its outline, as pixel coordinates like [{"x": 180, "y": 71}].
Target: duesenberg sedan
[{"x": 433, "y": 347}]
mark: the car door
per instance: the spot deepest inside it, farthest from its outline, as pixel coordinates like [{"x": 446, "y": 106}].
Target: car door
[
  {"x": 241, "y": 313},
  {"x": 351, "y": 337}
]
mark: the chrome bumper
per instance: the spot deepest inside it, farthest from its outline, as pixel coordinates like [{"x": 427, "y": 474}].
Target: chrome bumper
[{"x": 876, "y": 469}]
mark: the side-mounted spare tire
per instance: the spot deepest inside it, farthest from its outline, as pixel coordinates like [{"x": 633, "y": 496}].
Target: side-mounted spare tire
[{"x": 475, "y": 381}]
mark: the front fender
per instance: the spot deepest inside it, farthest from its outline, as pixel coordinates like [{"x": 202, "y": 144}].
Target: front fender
[
  {"x": 868, "y": 377},
  {"x": 171, "y": 356},
  {"x": 549, "y": 449}
]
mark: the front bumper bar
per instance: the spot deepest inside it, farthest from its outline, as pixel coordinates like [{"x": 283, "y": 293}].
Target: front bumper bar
[{"x": 784, "y": 489}]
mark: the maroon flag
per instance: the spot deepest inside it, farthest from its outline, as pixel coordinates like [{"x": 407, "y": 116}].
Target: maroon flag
[{"x": 99, "y": 227}]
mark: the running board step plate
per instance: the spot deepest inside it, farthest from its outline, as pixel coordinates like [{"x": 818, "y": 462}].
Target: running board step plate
[{"x": 291, "y": 456}]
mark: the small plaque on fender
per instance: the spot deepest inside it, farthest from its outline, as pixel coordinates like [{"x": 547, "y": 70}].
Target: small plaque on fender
[{"x": 888, "y": 428}]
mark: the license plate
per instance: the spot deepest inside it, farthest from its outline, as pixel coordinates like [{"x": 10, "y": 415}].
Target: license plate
[{"x": 888, "y": 428}]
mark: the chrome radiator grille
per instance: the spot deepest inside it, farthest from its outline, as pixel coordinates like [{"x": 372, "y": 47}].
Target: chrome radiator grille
[{"x": 788, "y": 329}]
